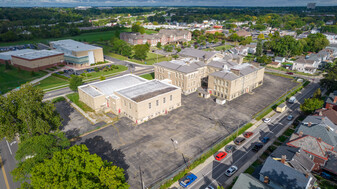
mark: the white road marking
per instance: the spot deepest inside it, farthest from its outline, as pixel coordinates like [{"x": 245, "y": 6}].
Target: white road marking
[{"x": 10, "y": 151}]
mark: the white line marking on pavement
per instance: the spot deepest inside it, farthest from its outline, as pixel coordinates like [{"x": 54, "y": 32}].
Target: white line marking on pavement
[{"x": 10, "y": 151}]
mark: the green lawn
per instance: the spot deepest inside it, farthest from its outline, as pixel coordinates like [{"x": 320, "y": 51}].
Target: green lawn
[
  {"x": 151, "y": 58},
  {"x": 10, "y": 79},
  {"x": 250, "y": 170},
  {"x": 282, "y": 138},
  {"x": 51, "y": 82},
  {"x": 88, "y": 37},
  {"x": 149, "y": 76},
  {"x": 74, "y": 97},
  {"x": 94, "y": 75}
]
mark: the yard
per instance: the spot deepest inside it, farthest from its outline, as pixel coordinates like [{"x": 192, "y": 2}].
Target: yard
[
  {"x": 10, "y": 79},
  {"x": 219, "y": 48},
  {"x": 149, "y": 76},
  {"x": 74, "y": 97},
  {"x": 51, "y": 82}
]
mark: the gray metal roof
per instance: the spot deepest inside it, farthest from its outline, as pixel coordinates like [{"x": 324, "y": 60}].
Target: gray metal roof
[
  {"x": 181, "y": 66},
  {"x": 91, "y": 91},
  {"x": 146, "y": 90},
  {"x": 72, "y": 45},
  {"x": 38, "y": 54},
  {"x": 8, "y": 55},
  {"x": 190, "y": 52},
  {"x": 244, "y": 69},
  {"x": 247, "y": 181},
  {"x": 331, "y": 164},
  {"x": 283, "y": 175},
  {"x": 227, "y": 75},
  {"x": 331, "y": 98}
]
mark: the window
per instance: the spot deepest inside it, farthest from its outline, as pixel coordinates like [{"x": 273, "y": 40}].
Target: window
[
  {"x": 130, "y": 105},
  {"x": 150, "y": 105},
  {"x": 157, "y": 102},
  {"x": 170, "y": 97},
  {"x": 164, "y": 100}
]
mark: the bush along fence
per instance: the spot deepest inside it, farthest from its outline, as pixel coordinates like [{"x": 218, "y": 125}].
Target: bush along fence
[{"x": 181, "y": 171}]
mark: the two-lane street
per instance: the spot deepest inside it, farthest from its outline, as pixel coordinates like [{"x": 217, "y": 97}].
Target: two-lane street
[{"x": 7, "y": 152}]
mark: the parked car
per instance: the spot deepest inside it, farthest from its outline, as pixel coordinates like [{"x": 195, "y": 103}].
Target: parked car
[
  {"x": 248, "y": 134},
  {"x": 209, "y": 187},
  {"x": 290, "y": 117},
  {"x": 292, "y": 100},
  {"x": 265, "y": 139},
  {"x": 290, "y": 73},
  {"x": 188, "y": 180},
  {"x": 220, "y": 156},
  {"x": 230, "y": 171},
  {"x": 230, "y": 148},
  {"x": 239, "y": 140},
  {"x": 266, "y": 120},
  {"x": 257, "y": 147}
]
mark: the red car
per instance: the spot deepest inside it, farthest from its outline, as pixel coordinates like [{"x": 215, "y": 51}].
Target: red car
[
  {"x": 290, "y": 73},
  {"x": 248, "y": 134},
  {"x": 220, "y": 156}
]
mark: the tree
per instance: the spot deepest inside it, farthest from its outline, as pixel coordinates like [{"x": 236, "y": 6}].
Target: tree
[
  {"x": 264, "y": 59},
  {"x": 311, "y": 104},
  {"x": 141, "y": 51},
  {"x": 7, "y": 65},
  {"x": 138, "y": 28},
  {"x": 317, "y": 94},
  {"x": 102, "y": 78},
  {"x": 260, "y": 36},
  {"x": 178, "y": 49},
  {"x": 259, "y": 49},
  {"x": 168, "y": 48},
  {"x": 175, "y": 56},
  {"x": 330, "y": 79},
  {"x": 74, "y": 82},
  {"x": 23, "y": 112},
  {"x": 316, "y": 42},
  {"x": 37, "y": 148},
  {"x": 77, "y": 168},
  {"x": 159, "y": 45}
]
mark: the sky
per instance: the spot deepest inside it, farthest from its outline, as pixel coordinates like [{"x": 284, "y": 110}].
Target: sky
[{"x": 250, "y": 3}]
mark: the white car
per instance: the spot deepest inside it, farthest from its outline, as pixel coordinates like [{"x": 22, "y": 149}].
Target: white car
[
  {"x": 266, "y": 120},
  {"x": 209, "y": 187},
  {"x": 230, "y": 171}
]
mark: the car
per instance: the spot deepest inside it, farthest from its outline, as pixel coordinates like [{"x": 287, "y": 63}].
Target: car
[
  {"x": 220, "y": 156},
  {"x": 290, "y": 117},
  {"x": 230, "y": 171},
  {"x": 239, "y": 140},
  {"x": 230, "y": 148},
  {"x": 290, "y": 73},
  {"x": 266, "y": 120},
  {"x": 257, "y": 147},
  {"x": 209, "y": 187},
  {"x": 248, "y": 134},
  {"x": 189, "y": 179},
  {"x": 265, "y": 139}
]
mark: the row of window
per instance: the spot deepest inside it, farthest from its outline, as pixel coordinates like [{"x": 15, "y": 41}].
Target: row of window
[
  {"x": 157, "y": 101},
  {"x": 221, "y": 89},
  {"x": 221, "y": 82}
]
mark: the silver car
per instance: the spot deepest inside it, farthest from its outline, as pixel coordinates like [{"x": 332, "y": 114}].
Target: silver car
[{"x": 230, "y": 171}]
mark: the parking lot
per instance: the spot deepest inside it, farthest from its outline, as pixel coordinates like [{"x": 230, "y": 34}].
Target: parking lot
[{"x": 196, "y": 126}]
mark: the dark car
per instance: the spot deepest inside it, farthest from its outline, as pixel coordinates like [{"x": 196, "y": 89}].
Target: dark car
[
  {"x": 239, "y": 141},
  {"x": 248, "y": 134},
  {"x": 265, "y": 139},
  {"x": 230, "y": 148},
  {"x": 257, "y": 147},
  {"x": 290, "y": 73}
]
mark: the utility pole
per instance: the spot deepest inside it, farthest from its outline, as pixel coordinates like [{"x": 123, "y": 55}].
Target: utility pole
[
  {"x": 184, "y": 159},
  {"x": 141, "y": 178}
]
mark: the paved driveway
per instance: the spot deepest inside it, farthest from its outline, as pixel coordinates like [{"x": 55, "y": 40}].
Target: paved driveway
[{"x": 195, "y": 126}]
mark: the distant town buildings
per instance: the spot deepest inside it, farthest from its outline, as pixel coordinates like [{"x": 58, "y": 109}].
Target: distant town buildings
[
  {"x": 77, "y": 53},
  {"x": 131, "y": 96},
  {"x": 332, "y": 37},
  {"x": 311, "y": 5},
  {"x": 164, "y": 36}
]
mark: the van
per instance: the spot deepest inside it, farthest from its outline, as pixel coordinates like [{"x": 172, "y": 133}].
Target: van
[{"x": 292, "y": 100}]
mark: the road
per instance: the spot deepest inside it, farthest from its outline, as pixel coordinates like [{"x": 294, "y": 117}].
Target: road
[
  {"x": 213, "y": 173},
  {"x": 7, "y": 152}
]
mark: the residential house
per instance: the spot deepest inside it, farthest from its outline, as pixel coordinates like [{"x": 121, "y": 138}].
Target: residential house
[
  {"x": 280, "y": 59},
  {"x": 279, "y": 176},
  {"x": 331, "y": 114},
  {"x": 332, "y": 37},
  {"x": 247, "y": 181},
  {"x": 240, "y": 50},
  {"x": 274, "y": 64},
  {"x": 331, "y": 101},
  {"x": 330, "y": 167},
  {"x": 333, "y": 48},
  {"x": 243, "y": 33},
  {"x": 305, "y": 65},
  {"x": 252, "y": 48}
]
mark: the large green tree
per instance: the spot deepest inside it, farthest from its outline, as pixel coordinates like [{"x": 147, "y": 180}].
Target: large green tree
[
  {"x": 77, "y": 168},
  {"x": 138, "y": 28},
  {"x": 34, "y": 150},
  {"x": 330, "y": 78},
  {"x": 311, "y": 104},
  {"x": 316, "y": 42},
  {"x": 75, "y": 82},
  {"x": 140, "y": 51},
  {"x": 23, "y": 112}
]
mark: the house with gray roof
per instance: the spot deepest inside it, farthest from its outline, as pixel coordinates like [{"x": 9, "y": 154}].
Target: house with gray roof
[
  {"x": 331, "y": 101},
  {"x": 247, "y": 181},
  {"x": 279, "y": 176},
  {"x": 305, "y": 65},
  {"x": 200, "y": 55},
  {"x": 280, "y": 59}
]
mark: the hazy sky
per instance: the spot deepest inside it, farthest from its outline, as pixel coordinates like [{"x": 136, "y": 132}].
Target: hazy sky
[{"x": 166, "y": 2}]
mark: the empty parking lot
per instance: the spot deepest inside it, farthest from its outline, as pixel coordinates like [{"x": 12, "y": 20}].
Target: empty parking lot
[{"x": 195, "y": 126}]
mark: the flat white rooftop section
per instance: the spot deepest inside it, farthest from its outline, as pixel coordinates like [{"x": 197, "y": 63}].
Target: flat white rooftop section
[
  {"x": 38, "y": 54},
  {"x": 72, "y": 45},
  {"x": 109, "y": 86},
  {"x": 8, "y": 55}
]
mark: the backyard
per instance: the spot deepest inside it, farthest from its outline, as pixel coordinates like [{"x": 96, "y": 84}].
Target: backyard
[
  {"x": 149, "y": 76},
  {"x": 14, "y": 77}
]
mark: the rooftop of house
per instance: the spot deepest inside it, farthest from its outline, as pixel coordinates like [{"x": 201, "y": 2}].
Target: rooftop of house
[
  {"x": 284, "y": 175},
  {"x": 243, "y": 33},
  {"x": 331, "y": 164},
  {"x": 247, "y": 181},
  {"x": 279, "y": 58},
  {"x": 147, "y": 90},
  {"x": 302, "y": 60},
  {"x": 73, "y": 45},
  {"x": 38, "y": 54},
  {"x": 185, "y": 66},
  {"x": 240, "y": 70},
  {"x": 332, "y": 98},
  {"x": 311, "y": 145},
  {"x": 331, "y": 114},
  {"x": 195, "y": 53},
  {"x": 8, "y": 55}
]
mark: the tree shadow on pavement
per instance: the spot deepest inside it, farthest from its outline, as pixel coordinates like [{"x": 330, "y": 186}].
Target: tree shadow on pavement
[{"x": 102, "y": 148}]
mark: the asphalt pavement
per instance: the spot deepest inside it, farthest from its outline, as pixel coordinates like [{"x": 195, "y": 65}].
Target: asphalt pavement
[
  {"x": 213, "y": 173},
  {"x": 7, "y": 152}
]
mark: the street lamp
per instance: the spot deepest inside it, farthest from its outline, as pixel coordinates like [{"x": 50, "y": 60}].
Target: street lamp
[{"x": 174, "y": 143}]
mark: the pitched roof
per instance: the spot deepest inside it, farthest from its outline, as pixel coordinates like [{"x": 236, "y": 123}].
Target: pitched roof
[
  {"x": 244, "y": 69},
  {"x": 243, "y": 33},
  {"x": 310, "y": 145},
  {"x": 181, "y": 66},
  {"x": 283, "y": 175},
  {"x": 190, "y": 52},
  {"x": 304, "y": 61},
  {"x": 331, "y": 114},
  {"x": 247, "y": 181},
  {"x": 331, "y": 164},
  {"x": 331, "y": 98}
]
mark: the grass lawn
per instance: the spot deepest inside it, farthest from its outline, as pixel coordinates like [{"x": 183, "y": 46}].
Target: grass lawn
[
  {"x": 272, "y": 148},
  {"x": 51, "y": 82},
  {"x": 88, "y": 37},
  {"x": 282, "y": 138},
  {"x": 257, "y": 163},
  {"x": 151, "y": 58},
  {"x": 277, "y": 143},
  {"x": 250, "y": 170},
  {"x": 149, "y": 76},
  {"x": 288, "y": 132},
  {"x": 74, "y": 97},
  {"x": 94, "y": 75},
  {"x": 10, "y": 79},
  {"x": 219, "y": 48}
]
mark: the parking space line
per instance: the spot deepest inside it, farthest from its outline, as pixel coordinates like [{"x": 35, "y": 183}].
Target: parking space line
[{"x": 4, "y": 173}]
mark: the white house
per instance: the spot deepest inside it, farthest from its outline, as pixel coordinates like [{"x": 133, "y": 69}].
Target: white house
[
  {"x": 280, "y": 59},
  {"x": 332, "y": 37},
  {"x": 305, "y": 65}
]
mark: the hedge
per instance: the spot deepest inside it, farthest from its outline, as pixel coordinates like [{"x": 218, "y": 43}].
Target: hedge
[{"x": 60, "y": 76}]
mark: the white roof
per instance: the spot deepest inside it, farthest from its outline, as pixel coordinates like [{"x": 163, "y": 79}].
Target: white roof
[
  {"x": 38, "y": 54},
  {"x": 72, "y": 45},
  {"x": 8, "y": 55}
]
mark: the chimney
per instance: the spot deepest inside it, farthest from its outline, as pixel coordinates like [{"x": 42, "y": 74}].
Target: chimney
[
  {"x": 297, "y": 153},
  {"x": 319, "y": 139},
  {"x": 306, "y": 175},
  {"x": 236, "y": 72},
  {"x": 320, "y": 113},
  {"x": 300, "y": 134},
  {"x": 330, "y": 107},
  {"x": 283, "y": 159},
  {"x": 266, "y": 180},
  {"x": 335, "y": 99},
  {"x": 309, "y": 124}
]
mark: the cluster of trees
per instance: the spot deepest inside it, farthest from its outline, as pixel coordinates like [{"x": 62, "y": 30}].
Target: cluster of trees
[
  {"x": 44, "y": 154},
  {"x": 332, "y": 29},
  {"x": 330, "y": 78},
  {"x": 121, "y": 47},
  {"x": 312, "y": 104},
  {"x": 138, "y": 28},
  {"x": 243, "y": 40},
  {"x": 201, "y": 37}
]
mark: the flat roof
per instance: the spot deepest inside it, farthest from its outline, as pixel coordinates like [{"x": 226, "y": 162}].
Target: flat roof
[
  {"x": 146, "y": 90},
  {"x": 73, "y": 45},
  {"x": 8, "y": 55},
  {"x": 38, "y": 54}
]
